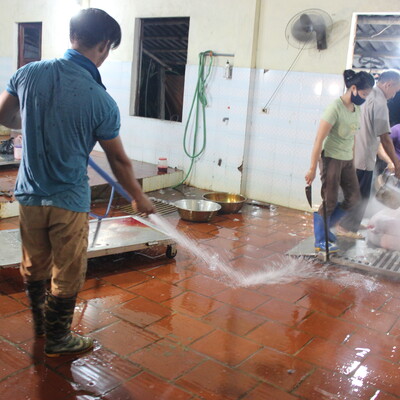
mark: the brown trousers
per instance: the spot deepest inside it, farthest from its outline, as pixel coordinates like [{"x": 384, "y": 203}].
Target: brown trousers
[
  {"x": 338, "y": 174},
  {"x": 54, "y": 246}
]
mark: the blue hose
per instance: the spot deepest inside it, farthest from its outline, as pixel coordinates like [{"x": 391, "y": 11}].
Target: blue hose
[{"x": 110, "y": 180}]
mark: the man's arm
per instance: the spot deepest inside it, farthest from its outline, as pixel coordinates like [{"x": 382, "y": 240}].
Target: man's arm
[
  {"x": 9, "y": 111},
  {"x": 387, "y": 145},
  {"x": 122, "y": 168},
  {"x": 384, "y": 157}
]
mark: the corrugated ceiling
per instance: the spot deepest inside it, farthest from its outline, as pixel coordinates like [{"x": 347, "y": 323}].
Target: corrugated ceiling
[{"x": 377, "y": 42}]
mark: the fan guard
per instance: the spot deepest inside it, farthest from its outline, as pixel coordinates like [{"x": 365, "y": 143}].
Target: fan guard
[{"x": 309, "y": 29}]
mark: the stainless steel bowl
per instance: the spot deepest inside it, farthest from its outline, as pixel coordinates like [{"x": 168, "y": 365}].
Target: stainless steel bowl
[
  {"x": 197, "y": 210},
  {"x": 229, "y": 202}
]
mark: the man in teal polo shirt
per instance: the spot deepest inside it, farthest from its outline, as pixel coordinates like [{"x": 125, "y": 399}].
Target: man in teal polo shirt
[{"x": 64, "y": 110}]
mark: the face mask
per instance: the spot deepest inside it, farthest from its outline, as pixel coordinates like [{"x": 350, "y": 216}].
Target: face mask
[{"x": 357, "y": 100}]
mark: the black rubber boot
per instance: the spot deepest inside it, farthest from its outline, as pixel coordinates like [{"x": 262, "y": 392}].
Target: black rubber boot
[
  {"x": 36, "y": 292},
  {"x": 59, "y": 338}
]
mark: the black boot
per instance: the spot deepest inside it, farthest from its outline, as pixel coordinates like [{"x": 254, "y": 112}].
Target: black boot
[
  {"x": 36, "y": 292},
  {"x": 59, "y": 338}
]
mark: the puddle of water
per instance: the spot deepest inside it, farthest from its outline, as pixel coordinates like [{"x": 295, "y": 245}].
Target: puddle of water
[{"x": 284, "y": 270}]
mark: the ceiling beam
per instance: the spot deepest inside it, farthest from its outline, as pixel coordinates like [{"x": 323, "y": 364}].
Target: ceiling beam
[
  {"x": 378, "y": 20},
  {"x": 181, "y": 38},
  {"x": 161, "y": 51},
  {"x": 378, "y": 38},
  {"x": 375, "y": 54},
  {"x": 155, "y": 58}
]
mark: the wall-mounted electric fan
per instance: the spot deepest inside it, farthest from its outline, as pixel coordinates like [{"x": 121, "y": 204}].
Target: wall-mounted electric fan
[{"x": 309, "y": 28}]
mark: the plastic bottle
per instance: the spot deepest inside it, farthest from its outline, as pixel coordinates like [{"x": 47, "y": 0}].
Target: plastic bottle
[
  {"x": 162, "y": 165},
  {"x": 18, "y": 147}
]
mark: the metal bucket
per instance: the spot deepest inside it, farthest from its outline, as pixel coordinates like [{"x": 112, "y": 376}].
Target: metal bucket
[
  {"x": 197, "y": 210},
  {"x": 229, "y": 202},
  {"x": 388, "y": 192}
]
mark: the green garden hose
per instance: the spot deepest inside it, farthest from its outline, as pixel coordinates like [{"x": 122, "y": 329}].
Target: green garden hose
[{"x": 200, "y": 100}]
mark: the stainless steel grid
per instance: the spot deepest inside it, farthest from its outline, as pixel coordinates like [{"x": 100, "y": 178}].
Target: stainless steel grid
[
  {"x": 357, "y": 254},
  {"x": 162, "y": 207}
]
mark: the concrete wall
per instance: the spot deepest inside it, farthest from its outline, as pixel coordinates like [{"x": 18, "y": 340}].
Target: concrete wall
[
  {"x": 274, "y": 147},
  {"x": 273, "y": 51}
]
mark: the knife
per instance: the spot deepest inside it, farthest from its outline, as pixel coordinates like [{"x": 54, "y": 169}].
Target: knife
[{"x": 309, "y": 195}]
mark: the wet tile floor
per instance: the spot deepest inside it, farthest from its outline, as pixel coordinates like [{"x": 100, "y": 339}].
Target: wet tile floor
[{"x": 167, "y": 329}]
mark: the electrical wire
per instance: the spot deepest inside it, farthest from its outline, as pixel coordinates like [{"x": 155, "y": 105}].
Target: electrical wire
[
  {"x": 199, "y": 103},
  {"x": 284, "y": 77}
]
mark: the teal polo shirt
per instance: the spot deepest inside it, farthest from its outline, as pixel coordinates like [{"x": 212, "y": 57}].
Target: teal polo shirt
[{"x": 64, "y": 112}]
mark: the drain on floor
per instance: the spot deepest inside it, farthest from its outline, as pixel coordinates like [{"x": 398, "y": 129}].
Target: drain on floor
[
  {"x": 162, "y": 207},
  {"x": 357, "y": 254}
]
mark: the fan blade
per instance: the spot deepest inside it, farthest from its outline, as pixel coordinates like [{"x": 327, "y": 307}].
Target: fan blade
[
  {"x": 302, "y": 32},
  {"x": 306, "y": 23},
  {"x": 320, "y": 30}
]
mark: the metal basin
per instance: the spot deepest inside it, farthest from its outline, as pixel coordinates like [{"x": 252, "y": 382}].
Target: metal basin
[
  {"x": 197, "y": 210},
  {"x": 229, "y": 202}
]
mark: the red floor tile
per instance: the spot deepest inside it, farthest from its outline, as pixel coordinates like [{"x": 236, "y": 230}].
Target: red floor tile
[
  {"x": 106, "y": 296},
  {"x": 233, "y": 224},
  {"x": 17, "y": 328},
  {"x": 123, "y": 338},
  {"x": 264, "y": 230},
  {"x": 324, "y": 326},
  {"x": 222, "y": 243},
  {"x": 12, "y": 359},
  {"x": 156, "y": 290},
  {"x": 9, "y": 306},
  {"x": 332, "y": 356},
  {"x": 211, "y": 380},
  {"x": 324, "y": 384},
  {"x": 266, "y": 391},
  {"x": 382, "y": 374},
  {"x": 392, "y": 306},
  {"x": 193, "y": 304},
  {"x": 203, "y": 285},
  {"x": 373, "y": 299},
  {"x": 88, "y": 318},
  {"x": 13, "y": 287},
  {"x": 378, "y": 343},
  {"x": 325, "y": 303},
  {"x": 126, "y": 279},
  {"x": 252, "y": 251},
  {"x": 141, "y": 311},
  {"x": 225, "y": 347},
  {"x": 36, "y": 383},
  {"x": 233, "y": 320},
  {"x": 369, "y": 317},
  {"x": 288, "y": 292},
  {"x": 149, "y": 387},
  {"x": 173, "y": 329},
  {"x": 171, "y": 272},
  {"x": 180, "y": 328},
  {"x": 326, "y": 287},
  {"x": 283, "y": 311},
  {"x": 277, "y": 368},
  {"x": 256, "y": 239},
  {"x": 92, "y": 372},
  {"x": 279, "y": 337},
  {"x": 166, "y": 359},
  {"x": 227, "y": 233},
  {"x": 243, "y": 298},
  {"x": 395, "y": 330}
]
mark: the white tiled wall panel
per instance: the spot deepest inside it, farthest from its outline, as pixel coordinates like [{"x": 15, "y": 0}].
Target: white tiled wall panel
[
  {"x": 6, "y": 70},
  {"x": 274, "y": 147},
  {"x": 280, "y": 141}
]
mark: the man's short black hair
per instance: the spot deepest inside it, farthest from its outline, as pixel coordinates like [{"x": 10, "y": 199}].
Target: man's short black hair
[{"x": 92, "y": 26}]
